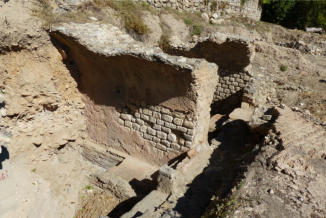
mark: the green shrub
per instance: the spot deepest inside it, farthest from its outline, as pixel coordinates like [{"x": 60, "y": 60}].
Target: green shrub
[
  {"x": 188, "y": 21},
  {"x": 283, "y": 68},
  {"x": 197, "y": 30}
]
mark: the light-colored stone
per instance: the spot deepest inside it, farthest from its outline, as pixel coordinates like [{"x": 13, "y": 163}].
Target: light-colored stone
[
  {"x": 188, "y": 124},
  {"x": 241, "y": 114},
  {"x": 172, "y": 137},
  {"x": 126, "y": 117},
  {"x": 160, "y": 122},
  {"x": 144, "y": 117},
  {"x": 177, "y": 121},
  {"x": 161, "y": 135},
  {"x": 182, "y": 129},
  {"x": 166, "y": 130},
  {"x": 128, "y": 124},
  {"x": 170, "y": 125},
  {"x": 167, "y": 118},
  {"x": 151, "y": 131},
  {"x": 135, "y": 126}
]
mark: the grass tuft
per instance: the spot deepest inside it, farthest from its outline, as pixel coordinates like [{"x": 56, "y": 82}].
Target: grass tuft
[{"x": 283, "y": 68}]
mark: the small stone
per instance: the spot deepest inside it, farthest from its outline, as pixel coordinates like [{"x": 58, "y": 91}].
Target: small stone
[
  {"x": 151, "y": 131},
  {"x": 148, "y": 137},
  {"x": 160, "y": 122},
  {"x": 188, "y": 144},
  {"x": 175, "y": 146},
  {"x": 187, "y": 137},
  {"x": 144, "y": 117},
  {"x": 147, "y": 112},
  {"x": 166, "y": 143},
  {"x": 143, "y": 129},
  {"x": 126, "y": 117},
  {"x": 152, "y": 120},
  {"x": 161, "y": 147},
  {"x": 170, "y": 125},
  {"x": 190, "y": 131},
  {"x": 161, "y": 135},
  {"x": 177, "y": 121},
  {"x": 135, "y": 126},
  {"x": 157, "y": 140},
  {"x": 182, "y": 129},
  {"x": 93, "y": 18},
  {"x": 165, "y": 110},
  {"x": 157, "y": 127},
  {"x": 167, "y": 118},
  {"x": 267, "y": 117},
  {"x": 156, "y": 115},
  {"x": 270, "y": 191},
  {"x": 205, "y": 17},
  {"x": 157, "y": 108},
  {"x": 172, "y": 137},
  {"x": 121, "y": 122},
  {"x": 167, "y": 130},
  {"x": 188, "y": 124},
  {"x": 140, "y": 121},
  {"x": 128, "y": 124},
  {"x": 137, "y": 115}
]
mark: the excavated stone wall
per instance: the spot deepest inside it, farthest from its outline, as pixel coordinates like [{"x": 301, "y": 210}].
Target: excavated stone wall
[
  {"x": 144, "y": 102},
  {"x": 233, "y": 58},
  {"x": 249, "y": 8}
]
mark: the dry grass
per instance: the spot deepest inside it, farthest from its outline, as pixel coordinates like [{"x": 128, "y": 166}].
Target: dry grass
[
  {"x": 194, "y": 20},
  {"x": 130, "y": 14}
]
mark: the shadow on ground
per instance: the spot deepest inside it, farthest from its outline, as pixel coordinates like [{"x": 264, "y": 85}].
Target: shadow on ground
[
  {"x": 4, "y": 155},
  {"x": 236, "y": 151}
]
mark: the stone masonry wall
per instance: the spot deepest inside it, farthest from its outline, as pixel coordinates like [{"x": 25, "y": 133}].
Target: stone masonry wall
[
  {"x": 165, "y": 129},
  {"x": 249, "y": 8},
  {"x": 230, "y": 84}
]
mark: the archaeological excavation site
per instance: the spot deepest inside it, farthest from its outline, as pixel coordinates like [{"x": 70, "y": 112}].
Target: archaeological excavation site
[{"x": 159, "y": 109}]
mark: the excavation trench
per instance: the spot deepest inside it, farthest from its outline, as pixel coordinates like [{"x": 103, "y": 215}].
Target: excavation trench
[{"x": 123, "y": 92}]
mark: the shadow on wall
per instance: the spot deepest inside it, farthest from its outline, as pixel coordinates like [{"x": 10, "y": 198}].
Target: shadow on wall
[
  {"x": 232, "y": 56},
  {"x": 4, "y": 155},
  {"x": 227, "y": 105},
  {"x": 125, "y": 79}
]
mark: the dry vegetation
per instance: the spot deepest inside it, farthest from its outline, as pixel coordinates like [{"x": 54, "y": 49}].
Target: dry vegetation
[{"x": 128, "y": 12}]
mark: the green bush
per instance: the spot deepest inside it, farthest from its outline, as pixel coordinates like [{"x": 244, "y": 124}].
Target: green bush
[
  {"x": 188, "y": 21},
  {"x": 295, "y": 14},
  {"x": 283, "y": 68},
  {"x": 197, "y": 29}
]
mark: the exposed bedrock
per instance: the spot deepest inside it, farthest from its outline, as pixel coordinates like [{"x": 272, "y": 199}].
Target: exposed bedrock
[
  {"x": 233, "y": 57},
  {"x": 138, "y": 100}
]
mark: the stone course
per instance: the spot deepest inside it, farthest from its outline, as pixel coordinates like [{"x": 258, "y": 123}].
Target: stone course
[{"x": 168, "y": 131}]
